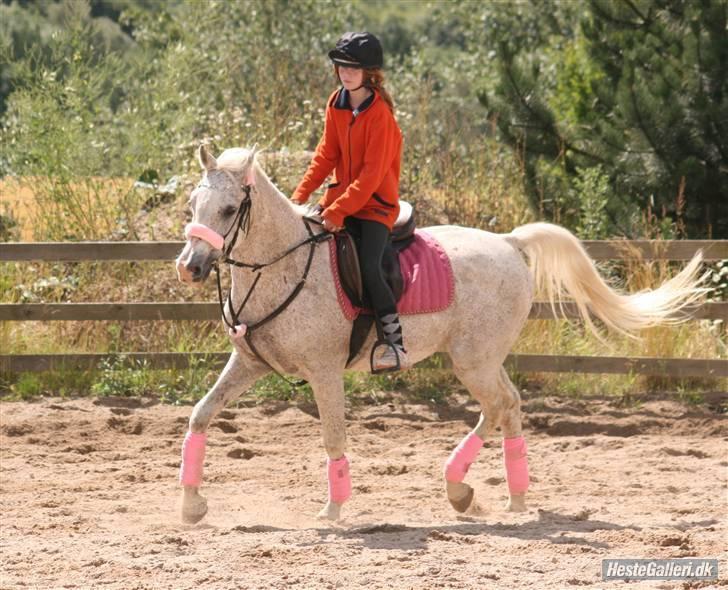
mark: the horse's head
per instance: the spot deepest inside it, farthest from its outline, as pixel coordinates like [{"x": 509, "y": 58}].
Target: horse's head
[{"x": 220, "y": 206}]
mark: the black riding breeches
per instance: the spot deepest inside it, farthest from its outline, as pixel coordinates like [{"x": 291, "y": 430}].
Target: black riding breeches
[{"x": 371, "y": 239}]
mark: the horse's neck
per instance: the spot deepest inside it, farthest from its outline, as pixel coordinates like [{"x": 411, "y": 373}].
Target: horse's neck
[
  {"x": 275, "y": 226},
  {"x": 274, "y": 223}
]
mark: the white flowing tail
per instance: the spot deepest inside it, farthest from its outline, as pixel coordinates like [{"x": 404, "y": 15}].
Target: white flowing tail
[{"x": 560, "y": 265}]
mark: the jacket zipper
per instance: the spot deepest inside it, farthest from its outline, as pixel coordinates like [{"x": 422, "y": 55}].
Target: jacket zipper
[{"x": 353, "y": 118}]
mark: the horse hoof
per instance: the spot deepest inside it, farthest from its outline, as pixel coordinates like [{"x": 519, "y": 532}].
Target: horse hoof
[
  {"x": 516, "y": 503},
  {"x": 194, "y": 510},
  {"x": 332, "y": 511},
  {"x": 460, "y": 495}
]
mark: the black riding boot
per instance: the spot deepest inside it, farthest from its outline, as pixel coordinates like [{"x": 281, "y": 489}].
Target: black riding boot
[{"x": 389, "y": 353}]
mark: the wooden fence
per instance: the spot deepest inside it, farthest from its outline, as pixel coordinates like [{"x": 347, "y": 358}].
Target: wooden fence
[{"x": 136, "y": 251}]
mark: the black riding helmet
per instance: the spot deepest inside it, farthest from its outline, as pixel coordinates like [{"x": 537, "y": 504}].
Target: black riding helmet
[{"x": 358, "y": 50}]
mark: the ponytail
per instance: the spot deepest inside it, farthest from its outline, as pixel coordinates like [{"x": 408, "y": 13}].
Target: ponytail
[{"x": 374, "y": 78}]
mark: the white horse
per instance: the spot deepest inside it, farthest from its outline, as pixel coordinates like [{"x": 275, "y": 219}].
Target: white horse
[{"x": 494, "y": 290}]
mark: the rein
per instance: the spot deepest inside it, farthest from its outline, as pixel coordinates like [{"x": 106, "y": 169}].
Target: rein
[{"x": 242, "y": 222}]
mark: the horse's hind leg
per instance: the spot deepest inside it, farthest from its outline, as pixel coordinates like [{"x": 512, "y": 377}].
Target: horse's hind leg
[
  {"x": 237, "y": 376},
  {"x": 500, "y": 405},
  {"x": 515, "y": 460}
]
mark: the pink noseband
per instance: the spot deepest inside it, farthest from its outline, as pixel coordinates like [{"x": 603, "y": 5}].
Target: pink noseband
[{"x": 197, "y": 230}]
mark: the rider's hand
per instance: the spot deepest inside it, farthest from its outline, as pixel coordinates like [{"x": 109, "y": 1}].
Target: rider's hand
[{"x": 331, "y": 227}]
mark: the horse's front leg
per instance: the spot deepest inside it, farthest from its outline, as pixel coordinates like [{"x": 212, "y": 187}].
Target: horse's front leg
[
  {"x": 237, "y": 376},
  {"x": 328, "y": 391}
]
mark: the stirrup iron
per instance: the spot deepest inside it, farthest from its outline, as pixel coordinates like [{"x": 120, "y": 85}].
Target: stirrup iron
[{"x": 377, "y": 344}]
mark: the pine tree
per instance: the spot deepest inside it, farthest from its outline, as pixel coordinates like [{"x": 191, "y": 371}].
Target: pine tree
[{"x": 641, "y": 90}]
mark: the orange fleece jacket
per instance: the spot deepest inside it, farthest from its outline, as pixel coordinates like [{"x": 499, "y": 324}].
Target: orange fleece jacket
[{"x": 364, "y": 148}]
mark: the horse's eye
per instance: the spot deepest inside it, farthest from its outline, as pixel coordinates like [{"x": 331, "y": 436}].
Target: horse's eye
[{"x": 229, "y": 211}]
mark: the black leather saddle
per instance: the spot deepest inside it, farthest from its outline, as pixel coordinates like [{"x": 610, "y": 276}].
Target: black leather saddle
[{"x": 347, "y": 258}]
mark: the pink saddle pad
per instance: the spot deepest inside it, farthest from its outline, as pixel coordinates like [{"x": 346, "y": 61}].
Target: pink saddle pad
[{"x": 429, "y": 285}]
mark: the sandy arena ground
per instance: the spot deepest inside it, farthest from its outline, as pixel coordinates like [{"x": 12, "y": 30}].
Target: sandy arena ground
[{"x": 89, "y": 499}]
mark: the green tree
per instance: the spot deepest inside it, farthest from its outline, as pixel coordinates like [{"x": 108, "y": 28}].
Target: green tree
[
  {"x": 641, "y": 90},
  {"x": 27, "y": 33}
]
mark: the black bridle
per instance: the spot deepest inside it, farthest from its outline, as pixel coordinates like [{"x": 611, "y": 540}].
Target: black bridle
[{"x": 241, "y": 222}]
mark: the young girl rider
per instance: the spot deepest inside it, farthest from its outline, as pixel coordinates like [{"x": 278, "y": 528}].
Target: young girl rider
[{"x": 362, "y": 144}]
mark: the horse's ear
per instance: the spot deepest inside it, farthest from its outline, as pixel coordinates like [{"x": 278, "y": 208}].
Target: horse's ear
[
  {"x": 250, "y": 165},
  {"x": 207, "y": 161},
  {"x": 252, "y": 155}
]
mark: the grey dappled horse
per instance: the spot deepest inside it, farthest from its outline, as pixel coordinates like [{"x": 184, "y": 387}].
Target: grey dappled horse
[{"x": 237, "y": 211}]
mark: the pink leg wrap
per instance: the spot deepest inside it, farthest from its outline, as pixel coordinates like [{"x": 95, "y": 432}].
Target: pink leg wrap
[
  {"x": 193, "y": 456},
  {"x": 516, "y": 463},
  {"x": 339, "y": 480},
  {"x": 462, "y": 457}
]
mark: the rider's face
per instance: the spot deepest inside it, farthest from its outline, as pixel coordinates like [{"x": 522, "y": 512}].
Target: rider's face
[{"x": 351, "y": 78}]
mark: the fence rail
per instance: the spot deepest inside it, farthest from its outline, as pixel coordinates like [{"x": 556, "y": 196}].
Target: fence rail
[
  {"x": 211, "y": 311},
  {"x": 137, "y": 251},
  {"x": 537, "y": 363},
  {"x": 128, "y": 251}
]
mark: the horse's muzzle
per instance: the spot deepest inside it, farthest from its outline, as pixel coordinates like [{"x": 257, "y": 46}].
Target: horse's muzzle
[{"x": 194, "y": 267}]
